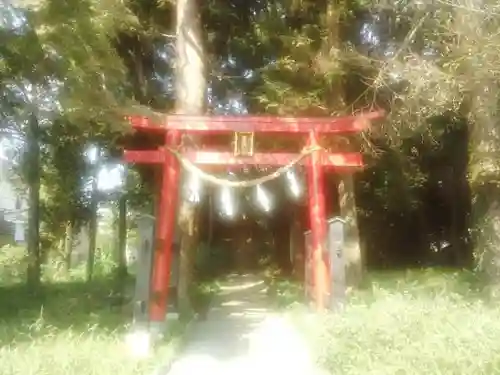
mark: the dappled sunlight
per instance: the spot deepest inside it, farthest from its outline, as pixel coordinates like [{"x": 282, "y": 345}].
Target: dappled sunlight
[
  {"x": 263, "y": 198},
  {"x": 256, "y": 310},
  {"x": 194, "y": 189},
  {"x": 273, "y": 346},
  {"x": 49, "y": 351},
  {"x": 228, "y": 202},
  {"x": 275, "y": 342},
  {"x": 244, "y": 335},
  {"x": 197, "y": 364},
  {"x": 150, "y": 147},
  {"x": 138, "y": 343},
  {"x": 242, "y": 285},
  {"x": 295, "y": 186}
]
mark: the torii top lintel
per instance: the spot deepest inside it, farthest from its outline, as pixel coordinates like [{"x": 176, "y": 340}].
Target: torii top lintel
[{"x": 265, "y": 124}]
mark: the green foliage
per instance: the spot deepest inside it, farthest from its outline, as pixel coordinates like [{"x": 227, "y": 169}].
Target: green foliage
[
  {"x": 12, "y": 264},
  {"x": 79, "y": 35},
  {"x": 211, "y": 262},
  {"x": 293, "y": 82},
  {"x": 415, "y": 323},
  {"x": 71, "y": 327},
  {"x": 74, "y": 352},
  {"x": 138, "y": 192},
  {"x": 64, "y": 88},
  {"x": 65, "y": 173},
  {"x": 202, "y": 294},
  {"x": 284, "y": 291}
]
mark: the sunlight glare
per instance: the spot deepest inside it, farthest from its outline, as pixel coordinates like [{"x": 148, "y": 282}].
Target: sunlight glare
[
  {"x": 139, "y": 343},
  {"x": 263, "y": 198},
  {"x": 110, "y": 177},
  {"x": 92, "y": 154},
  {"x": 293, "y": 183},
  {"x": 277, "y": 332},
  {"x": 194, "y": 189},
  {"x": 228, "y": 202}
]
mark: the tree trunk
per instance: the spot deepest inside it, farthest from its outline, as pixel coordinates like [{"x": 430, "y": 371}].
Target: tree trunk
[
  {"x": 332, "y": 48},
  {"x": 33, "y": 179},
  {"x": 191, "y": 90},
  {"x": 329, "y": 60},
  {"x": 121, "y": 256},
  {"x": 93, "y": 224},
  {"x": 353, "y": 251},
  {"x": 68, "y": 243},
  {"x": 485, "y": 192},
  {"x": 297, "y": 246},
  {"x": 210, "y": 236},
  {"x": 481, "y": 108}
]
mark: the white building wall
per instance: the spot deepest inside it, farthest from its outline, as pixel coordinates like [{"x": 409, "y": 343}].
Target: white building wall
[{"x": 12, "y": 207}]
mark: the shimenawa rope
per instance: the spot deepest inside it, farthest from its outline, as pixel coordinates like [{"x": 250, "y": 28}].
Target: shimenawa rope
[{"x": 191, "y": 167}]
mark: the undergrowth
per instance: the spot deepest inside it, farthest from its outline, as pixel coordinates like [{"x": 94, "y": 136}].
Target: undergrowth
[
  {"x": 283, "y": 291},
  {"x": 70, "y": 327},
  {"x": 418, "y": 322}
]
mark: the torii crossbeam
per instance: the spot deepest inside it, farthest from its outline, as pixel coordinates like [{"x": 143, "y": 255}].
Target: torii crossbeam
[{"x": 174, "y": 126}]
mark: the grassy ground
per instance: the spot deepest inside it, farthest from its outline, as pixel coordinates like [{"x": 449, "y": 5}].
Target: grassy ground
[
  {"x": 285, "y": 293},
  {"x": 415, "y": 322},
  {"x": 70, "y": 328}
]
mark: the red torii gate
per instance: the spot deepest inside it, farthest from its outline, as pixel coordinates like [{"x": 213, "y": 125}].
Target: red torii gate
[{"x": 176, "y": 125}]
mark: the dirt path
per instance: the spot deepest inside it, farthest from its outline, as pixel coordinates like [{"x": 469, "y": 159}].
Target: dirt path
[{"x": 242, "y": 335}]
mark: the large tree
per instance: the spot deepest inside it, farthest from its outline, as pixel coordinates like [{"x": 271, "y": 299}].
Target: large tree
[
  {"x": 191, "y": 91},
  {"x": 305, "y": 74},
  {"x": 446, "y": 64}
]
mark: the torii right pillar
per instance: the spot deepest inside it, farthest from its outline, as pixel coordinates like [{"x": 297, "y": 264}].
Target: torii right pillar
[{"x": 351, "y": 248}]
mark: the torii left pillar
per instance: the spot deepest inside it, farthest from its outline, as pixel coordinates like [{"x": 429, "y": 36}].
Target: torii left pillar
[{"x": 165, "y": 226}]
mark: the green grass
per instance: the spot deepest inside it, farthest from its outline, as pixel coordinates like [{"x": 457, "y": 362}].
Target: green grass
[
  {"x": 75, "y": 352},
  {"x": 70, "y": 328},
  {"x": 283, "y": 292},
  {"x": 418, "y": 322}
]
